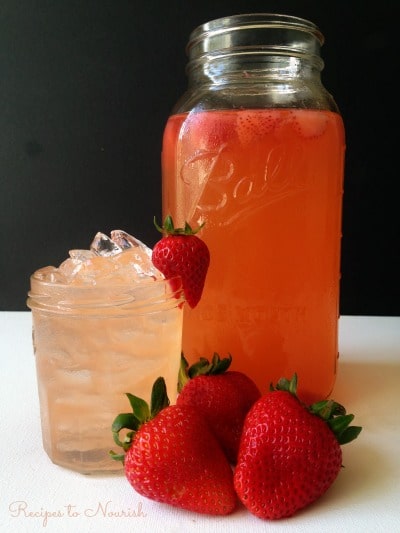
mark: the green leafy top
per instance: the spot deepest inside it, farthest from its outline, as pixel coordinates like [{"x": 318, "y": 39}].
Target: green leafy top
[
  {"x": 203, "y": 367},
  {"x": 168, "y": 227},
  {"x": 141, "y": 413},
  {"x": 333, "y": 413}
]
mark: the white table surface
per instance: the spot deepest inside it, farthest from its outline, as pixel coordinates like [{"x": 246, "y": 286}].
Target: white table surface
[{"x": 364, "y": 498}]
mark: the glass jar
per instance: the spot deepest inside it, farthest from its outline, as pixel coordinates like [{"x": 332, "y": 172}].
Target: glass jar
[
  {"x": 92, "y": 345},
  {"x": 255, "y": 150}
]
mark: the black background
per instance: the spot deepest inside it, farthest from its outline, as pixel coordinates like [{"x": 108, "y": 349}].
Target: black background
[{"x": 86, "y": 87}]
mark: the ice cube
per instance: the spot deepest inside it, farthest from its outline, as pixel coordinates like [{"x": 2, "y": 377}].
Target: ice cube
[
  {"x": 69, "y": 268},
  {"x": 136, "y": 263},
  {"x": 86, "y": 268},
  {"x": 50, "y": 274},
  {"x": 103, "y": 245},
  {"x": 95, "y": 270},
  {"x": 136, "y": 256},
  {"x": 81, "y": 255},
  {"x": 124, "y": 240},
  {"x": 119, "y": 259}
]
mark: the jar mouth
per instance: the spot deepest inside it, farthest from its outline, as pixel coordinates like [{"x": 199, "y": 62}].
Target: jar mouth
[
  {"x": 113, "y": 299},
  {"x": 269, "y": 32},
  {"x": 270, "y": 20}
]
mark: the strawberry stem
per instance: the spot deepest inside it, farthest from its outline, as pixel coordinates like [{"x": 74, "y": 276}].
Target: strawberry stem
[
  {"x": 141, "y": 413},
  {"x": 168, "y": 227},
  {"x": 333, "y": 413},
  {"x": 203, "y": 367},
  {"x": 287, "y": 385}
]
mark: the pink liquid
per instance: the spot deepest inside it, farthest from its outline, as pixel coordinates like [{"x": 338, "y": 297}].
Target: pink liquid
[
  {"x": 268, "y": 185},
  {"x": 98, "y": 334}
]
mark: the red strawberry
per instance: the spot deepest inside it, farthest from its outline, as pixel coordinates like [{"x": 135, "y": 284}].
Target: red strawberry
[
  {"x": 289, "y": 454},
  {"x": 253, "y": 125},
  {"x": 208, "y": 130},
  {"x": 181, "y": 253},
  {"x": 223, "y": 397},
  {"x": 308, "y": 123},
  {"x": 173, "y": 457}
]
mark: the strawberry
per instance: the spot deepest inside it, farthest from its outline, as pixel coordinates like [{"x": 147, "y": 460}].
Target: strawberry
[
  {"x": 209, "y": 130},
  {"x": 180, "y": 252},
  {"x": 171, "y": 456},
  {"x": 253, "y": 125},
  {"x": 289, "y": 454},
  {"x": 309, "y": 124},
  {"x": 222, "y": 397}
]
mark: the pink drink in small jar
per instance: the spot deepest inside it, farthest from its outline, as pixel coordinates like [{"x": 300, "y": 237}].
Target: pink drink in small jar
[{"x": 104, "y": 323}]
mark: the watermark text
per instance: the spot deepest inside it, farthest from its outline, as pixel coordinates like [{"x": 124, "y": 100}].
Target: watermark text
[{"x": 106, "y": 509}]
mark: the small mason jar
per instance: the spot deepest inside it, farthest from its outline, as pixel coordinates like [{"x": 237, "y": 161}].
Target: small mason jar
[
  {"x": 92, "y": 345},
  {"x": 254, "y": 150}
]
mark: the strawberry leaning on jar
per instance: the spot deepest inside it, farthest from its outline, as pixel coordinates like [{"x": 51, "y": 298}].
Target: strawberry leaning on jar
[
  {"x": 171, "y": 456},
  {"x": 289, "y": 454},
  {"x": 221, "y": 395},
  {"x": 180, "y": 252}
]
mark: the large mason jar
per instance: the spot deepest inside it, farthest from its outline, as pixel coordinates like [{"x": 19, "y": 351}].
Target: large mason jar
[{"x": 255, "y": 150}]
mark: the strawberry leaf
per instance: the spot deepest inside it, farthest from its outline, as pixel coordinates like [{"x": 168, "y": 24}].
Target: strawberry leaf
[
  {"x": 335, "y": 416},
  {"x": 340, "y": 423},
  {"x": 141, "y": 413},
  {"x": 159, "y": 398},
  {"x": 124, "y": 421},
  {"x": 287, "y": 385},
  {"x": 200, "y": 368},
  {"x": 188, "y": 230},
  {"x": 140, "y": 408},
  {"x": 168, "y": 228},
  {"x": 219, "y": 366},
  {"x": 183, "y": 376},
  {"x": 117, "y": 456},
  {"x": 203, "y": 367},
  {"x": 326, "y": 409},
  {"x": 349, "y": 434}
]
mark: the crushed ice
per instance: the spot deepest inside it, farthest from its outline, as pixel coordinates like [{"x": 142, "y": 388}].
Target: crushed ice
[{"x": 120, "y": 258}]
